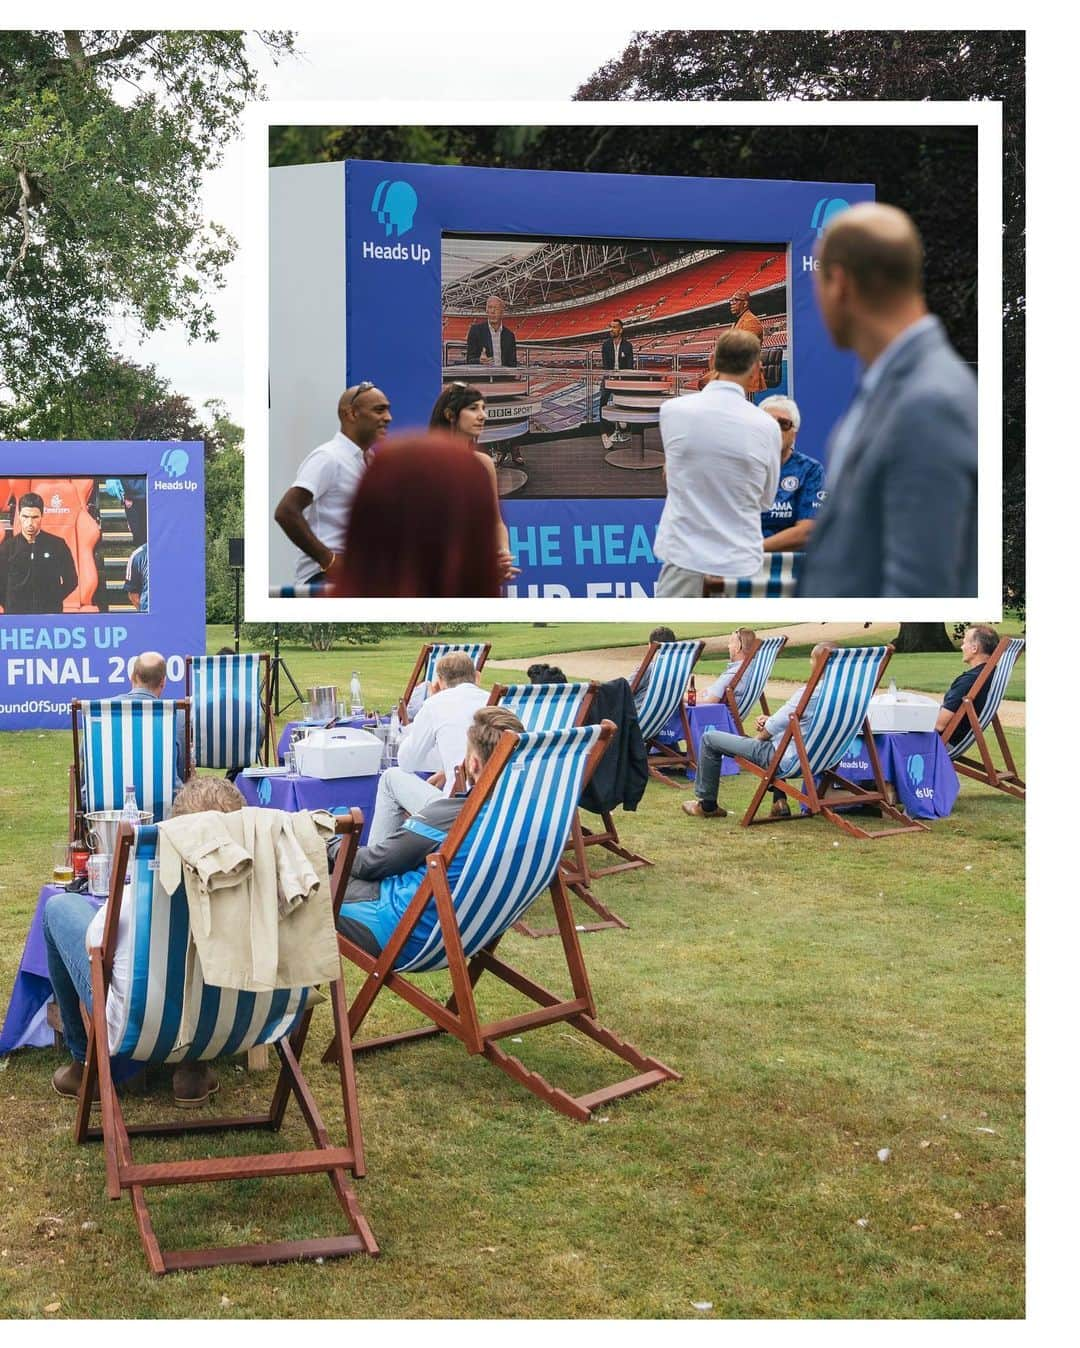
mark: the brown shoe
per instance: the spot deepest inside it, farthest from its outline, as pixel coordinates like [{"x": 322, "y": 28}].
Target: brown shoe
[
  {"x": 780, "y": 809},
  {"x": 67, "y": 1080},
  {"x": 697, "y": 810},
  {"x": 193, "y": 1084}
]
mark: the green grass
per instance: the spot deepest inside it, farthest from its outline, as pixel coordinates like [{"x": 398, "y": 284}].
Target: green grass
[{"x": 823, "y": 998}]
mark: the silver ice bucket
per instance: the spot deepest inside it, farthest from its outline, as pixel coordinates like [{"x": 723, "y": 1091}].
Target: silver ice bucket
[
  {"x": 103, "y": 828},
  {"x": 324, "y": 699}
]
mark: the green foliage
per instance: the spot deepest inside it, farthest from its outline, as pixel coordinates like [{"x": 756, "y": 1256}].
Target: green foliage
[{"x": 104, "y": 141}]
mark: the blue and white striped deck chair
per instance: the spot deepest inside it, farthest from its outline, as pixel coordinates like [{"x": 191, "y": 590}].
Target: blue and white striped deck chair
[
  {"x": 659, "y": 687},
  {"x": 555, "y": 706},
  {"x": 429, "y": 657},
  {"x": 228, "y": 1021},
  {"x": 844, "y": 680},
  {"x": 230, "y": 709},
  {"x": 994, "y": 676},
  {"x": 777, "y": 579},
  {"x": 122, "y": 742},
  {"x": 747, "y": 689},
  {"x": 503, "y": 850}
]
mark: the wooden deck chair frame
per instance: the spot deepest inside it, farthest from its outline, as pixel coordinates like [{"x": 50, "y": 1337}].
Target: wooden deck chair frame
[
  {"x": 76, "y": 822},
  {"x": 731, "y": 701},
  {"x": 267, "y": 739},
  {"x": 576, "y": 875},
  {"x": 459, "y": 1015},
  {"x": 665, "y": 756},
  {"x": 834, "y": 790},
  {"x": 123, "y": 1174},
  {"x": 985, "y": 770},
  {"x": 421, "y": 665}
]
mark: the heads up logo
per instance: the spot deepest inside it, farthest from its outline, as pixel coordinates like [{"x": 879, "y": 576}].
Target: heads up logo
[
  {"x": 854, "y": 750},
  {"x": 174, "y": 462},
  {"x": 824, "y": 211},
  {"x": 395, "y": 205},
  {"x": 916, "y": 769}
]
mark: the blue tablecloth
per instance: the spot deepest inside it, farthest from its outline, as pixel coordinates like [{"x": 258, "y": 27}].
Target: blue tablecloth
[
  {"x": 24, "y": 1024},
  {"x": 918, "y": 766},
  {"x": 702, "y": 717},
  {"x": 293, "y": 792}
]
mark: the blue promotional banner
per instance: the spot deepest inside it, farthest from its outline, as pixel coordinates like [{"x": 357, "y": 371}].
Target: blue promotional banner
[
  {"x": 583, "y": 549},
  {"x": 101, "y": 558},
  {"x": 916, "y": 763}
]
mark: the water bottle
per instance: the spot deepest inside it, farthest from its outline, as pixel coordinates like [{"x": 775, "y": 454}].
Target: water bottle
[
  {"x": 393, "y": 739},
  {"x": 357, "y": 694},
  {"x": 892, "y": 688},
  {"x": 130, "y": 812}
]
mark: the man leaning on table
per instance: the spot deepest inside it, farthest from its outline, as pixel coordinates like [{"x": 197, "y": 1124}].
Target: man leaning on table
[
  {"x": 434, "y": 742},
  {"x": 759, "y": 749}
]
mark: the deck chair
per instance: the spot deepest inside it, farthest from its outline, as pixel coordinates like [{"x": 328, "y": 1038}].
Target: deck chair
[
  {"x": 503, "y": 850},
  {"x": 845, "y": 680},
  {"x": 747, "y": 688},
  {"x": 669, "y": 665},
  {"x": 119, "y": 742},
  {"x": 429, "y": 657},
  {"x": 777, "y": 579},
  {"x": 232, "y": 723},
  {"x": 996, "y": 673},
  {"x": 230, "y": 1022},
  {"x": 557, "y": 706}
]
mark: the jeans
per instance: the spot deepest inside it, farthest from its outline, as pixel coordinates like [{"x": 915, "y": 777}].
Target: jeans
[
  {"x": 716, "y": 743},
  {"x": 64, "y": 922},
  {"x": 400, "y": 794}
]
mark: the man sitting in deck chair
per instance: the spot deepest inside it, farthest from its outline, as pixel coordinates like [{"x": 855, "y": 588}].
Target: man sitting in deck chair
[
  {"x": 977, "y": 647},
  {"x": 739, "y": 645},
  {"x": 388, "y": 872},
  {"x": 659, "y": 635},
  {"x": 148, "y": 679},
  {"x": 758, "y": 749},
  {"x": 72, "y": 925}
]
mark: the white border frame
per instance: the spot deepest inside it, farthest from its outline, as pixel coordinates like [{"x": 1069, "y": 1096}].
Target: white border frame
[{"x": 259, "y": 117}]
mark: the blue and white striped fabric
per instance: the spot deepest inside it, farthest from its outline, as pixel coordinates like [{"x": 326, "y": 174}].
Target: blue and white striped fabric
[
  {"x": 516, "y": 843},
  {"x": 668, "y": 677},
  {"x": 474, "y": 650},
  {"x": 228, "y": 1021},
  {"x": 545, "y": 706},
  {"x": 314, "y": 590},
  {"x": 999, "y": 682},
  {"x": 129, "y": 742},
  {"x": 776, "y": 579},
  {"x": 226, "y": 710},
  {"x": 752, "y": 684},
  {"x": 844, "y": 692}
]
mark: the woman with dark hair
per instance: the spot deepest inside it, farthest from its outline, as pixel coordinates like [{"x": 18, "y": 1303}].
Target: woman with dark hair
[
  {"x": 423, "y": 525},
  {"x": 541, "y": 673},
  {"x": 460, "y": 409}
]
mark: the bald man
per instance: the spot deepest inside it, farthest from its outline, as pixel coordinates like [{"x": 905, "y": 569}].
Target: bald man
[
  {"x": 901, "y": 515},
  {"x": 747, "y": 321},
  {"x": 314, "y": 512}
]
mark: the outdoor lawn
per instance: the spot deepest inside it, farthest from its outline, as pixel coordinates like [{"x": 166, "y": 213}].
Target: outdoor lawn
[{"x": 826, "y": 1001}]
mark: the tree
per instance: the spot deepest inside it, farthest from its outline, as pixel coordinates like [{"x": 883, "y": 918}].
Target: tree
[
  {"x": 104, "y": 141},
  {"x": 920, "y": 637}
]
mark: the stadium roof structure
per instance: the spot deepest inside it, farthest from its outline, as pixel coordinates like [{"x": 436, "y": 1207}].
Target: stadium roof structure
[{"x": 550, "y": 274}]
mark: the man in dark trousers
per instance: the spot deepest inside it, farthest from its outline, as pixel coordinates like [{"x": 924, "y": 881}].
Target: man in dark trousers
[
  {"x": 616, "y": 353},
  {"x": 37, "y": 570}
]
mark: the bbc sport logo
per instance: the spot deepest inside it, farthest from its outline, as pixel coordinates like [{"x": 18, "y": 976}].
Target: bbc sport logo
[{"x": 395, "y": 205}]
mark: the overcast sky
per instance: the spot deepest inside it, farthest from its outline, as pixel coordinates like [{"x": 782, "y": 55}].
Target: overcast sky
[{"x": 540, "y": 65}]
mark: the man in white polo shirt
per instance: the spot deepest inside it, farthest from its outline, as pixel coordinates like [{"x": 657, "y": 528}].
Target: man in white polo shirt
[
  {"x": 723, "y": 467},
  {"x": 314, "y": 512}
]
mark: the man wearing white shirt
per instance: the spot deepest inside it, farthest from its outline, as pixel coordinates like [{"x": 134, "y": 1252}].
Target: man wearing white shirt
[
  {"x": 723, "y": 468},
  {"x": 434, "y": 742},
  {"x": 739, "y": 644},
  {"x": 315, "y": 510}
]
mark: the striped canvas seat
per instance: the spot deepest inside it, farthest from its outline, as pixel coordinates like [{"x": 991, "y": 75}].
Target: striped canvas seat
[
  {"x": 128, "y": 742},
  {"x": 844, "y": 692},
  {"x": 748, "y": 690},
  {"x": 777, "y": 579},
  {"x": 229, "y": 1021},
  {"x": 669, "y": 674},
  {"x": 999, "y": 683},
  {"x": 476, "y": 651},
  {"x": 227, "y": 710},
  {"x": 545, "y": 706},
  {"x": 502, "y": 851},
  {"x": 515, "y": 845}
]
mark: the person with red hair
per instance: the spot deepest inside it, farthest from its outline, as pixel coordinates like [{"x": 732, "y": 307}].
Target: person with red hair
[{"x": 423, "y": 525}]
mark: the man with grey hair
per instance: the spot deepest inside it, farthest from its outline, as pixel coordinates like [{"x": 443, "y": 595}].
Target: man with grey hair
[
  {"x": 902, "y": 515},
  {"x": 787, "y": 523},
  {"x": 977, "y": 646},
  {"x": 434, "y": 742},
  {"x": 491, "y": 342},
  {"x": 149, "y": 674},
  {"x": 723, "y": 467},
  {"x": 759, "y": 749},
  {"x": 314, "y": 512}
]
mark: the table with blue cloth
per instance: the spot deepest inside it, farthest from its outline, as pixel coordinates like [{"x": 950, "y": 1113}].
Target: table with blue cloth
[
  {"x": 704, "y": 716},
  {"x": 291, "y": 791},
  {"x": 25, "y": 1025},
  {"x": 917, "y": 764}
]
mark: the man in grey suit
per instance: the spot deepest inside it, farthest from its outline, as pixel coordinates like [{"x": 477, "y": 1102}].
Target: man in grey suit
[{"x": 901, "y": 516}]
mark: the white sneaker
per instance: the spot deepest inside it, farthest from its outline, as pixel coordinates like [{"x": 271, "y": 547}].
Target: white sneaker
[{"x": 605, "y": 440}]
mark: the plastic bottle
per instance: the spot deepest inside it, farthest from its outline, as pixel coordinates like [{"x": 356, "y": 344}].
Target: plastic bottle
[
  {"x": 892, "y": 688},
  {"x": 691, "y": 693},
  {"x": 357, "y": 694},
  {"x": 393, "y": 739},
  {"x": 130, "y": 812}
]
